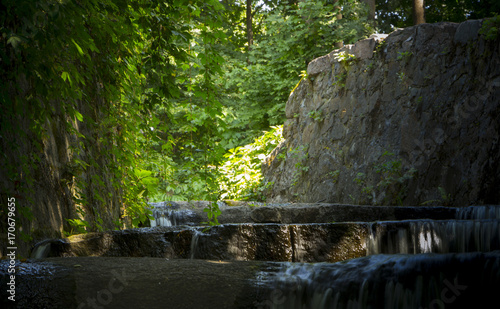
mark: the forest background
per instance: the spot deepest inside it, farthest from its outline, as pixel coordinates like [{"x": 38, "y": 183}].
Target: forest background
[{"x": 194, "y": 92}]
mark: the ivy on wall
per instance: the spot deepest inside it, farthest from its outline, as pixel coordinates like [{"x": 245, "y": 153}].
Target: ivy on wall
[{"x": 101, "y": 68}]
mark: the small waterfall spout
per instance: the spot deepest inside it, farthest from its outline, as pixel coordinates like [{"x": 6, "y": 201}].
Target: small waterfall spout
[
  {"x": 48, "y": 248},
  {"x": 194, "y": 243},
  {"x": 170, "y": 215}
]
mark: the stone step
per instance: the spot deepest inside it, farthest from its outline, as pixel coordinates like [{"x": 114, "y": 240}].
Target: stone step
[
  {"x": 379, "y": 281},
  {"x": 191, "y": 213},
  {"x": 312, "y": 242}
]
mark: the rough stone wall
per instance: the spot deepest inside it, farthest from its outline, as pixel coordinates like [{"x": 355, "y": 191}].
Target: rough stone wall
[{"x": 426, "y": 96}]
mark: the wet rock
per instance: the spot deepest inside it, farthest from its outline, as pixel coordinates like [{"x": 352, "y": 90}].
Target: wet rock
[
  {"x": 265, "y": 242},
  {"x": 380, "y": 281},
  {"x": 266, "y": 215},
  {"x": 328, "y": 242},
  {"x": 87, "y": 282},
  {"x": 305, "y": 242},
  {"x": 249, "y": 212}
]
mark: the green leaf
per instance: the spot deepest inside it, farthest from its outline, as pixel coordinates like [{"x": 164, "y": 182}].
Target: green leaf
[
  {"x": 78, "y": 116},
  {"x": 14, "y": 41},
  {"x": 78, "y": 47},
  {"x": 65, "y": 76}
]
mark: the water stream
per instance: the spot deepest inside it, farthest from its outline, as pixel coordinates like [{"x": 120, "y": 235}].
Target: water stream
[
  {"x": 194, "y": 243},
  {"x": 425, "y": 236},
  {"x": 476, "y": 228},
  {"x": 386, "y": 281},
  {"x": 165, "y": 215},
  {"x": 409, "y": 264}
]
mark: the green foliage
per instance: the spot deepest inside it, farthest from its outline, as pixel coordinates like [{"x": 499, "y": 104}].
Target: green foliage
[
  {"x": 80, "y": 226},
  {"x": 300, "y": 155},
  {"x": 393, "y": 182},
  {"x": 345, "y": 58},
  {"x": 404, "y": 56},
  {"x": 213, "y": 212},
  {"x": 445, "y": 200},
  {"x": 398, "y": 13},
  {"x": 316, "y": 115},
  {"x": 334, "y": 175},
  {"x": 260, "y": 81},
  {"x": 490, "y": 28},
  {"x": 106, "y": 67},
  {"x": 241, "y": 177},
  {"x": 340, "y": 80}
]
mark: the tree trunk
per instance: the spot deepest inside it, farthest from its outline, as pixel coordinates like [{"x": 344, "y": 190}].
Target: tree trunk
[
  {"x": 418, "y": 12},
  {"x": 340, "y": 44},
  {"x": 371, "y": 9},
  {"x": 249, "y": 24}
]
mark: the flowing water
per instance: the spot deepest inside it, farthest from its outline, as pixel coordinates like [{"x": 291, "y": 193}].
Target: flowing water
[
  {"x": 425, "y": 236},
  {"x": 386, "y": 281},
  {"x": 165, "y": 215},
  {"x": 409, "y": 264},
  {"x": 476, "y": 228},
  {"x": 194, "y": 243}
]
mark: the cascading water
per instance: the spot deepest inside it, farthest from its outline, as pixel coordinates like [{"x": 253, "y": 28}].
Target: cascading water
[
  {"x": 48, "y": 248},
  {"x": 169, "y": 215},
  {"x": 194, "y": 243},
  {"x": 409, "y": 264},
  {"x": 479, "y": 212},
  {"x": 425, "y": 236},
  {"x": 41, "y": 250},
  {"x": 476, "y": 228},
  {"x": 386, "y": 281}
]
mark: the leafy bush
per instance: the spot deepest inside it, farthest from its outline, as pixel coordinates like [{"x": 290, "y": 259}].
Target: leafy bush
[{"x": 240, "y": 174}]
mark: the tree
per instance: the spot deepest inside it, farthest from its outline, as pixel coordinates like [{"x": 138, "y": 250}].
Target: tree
[
  {"x": 371, "y": 9},
  {"x": 418, "y": 12},
  {"x": 249, "y": 23},
  {"x": 393, "y": 14},
  {"x": 100, "y": 70}
]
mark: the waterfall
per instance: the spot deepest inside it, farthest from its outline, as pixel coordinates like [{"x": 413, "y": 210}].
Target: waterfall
[
  {"x": 194, "y": 243},
  {"x": 167, "y": 215},
  {"x": 387, "y": 281},
  {"x": 414, "y": 264},
  {"x": 425, "y": 236},
  {"x": 476, "y": 228},
  {"x": 479, "y": 212},
  {"x": 41, "y": 250},
  {"x": 48, "y": 248}
]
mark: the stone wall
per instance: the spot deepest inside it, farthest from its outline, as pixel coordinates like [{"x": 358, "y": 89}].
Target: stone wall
[{"x": 412, "y": 118}]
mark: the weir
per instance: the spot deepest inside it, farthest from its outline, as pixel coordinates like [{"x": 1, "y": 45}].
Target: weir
[{"x": 447, "y": 258}]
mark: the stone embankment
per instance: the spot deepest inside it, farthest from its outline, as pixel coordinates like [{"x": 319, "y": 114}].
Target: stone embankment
[{"x": 406, "y": 119}]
